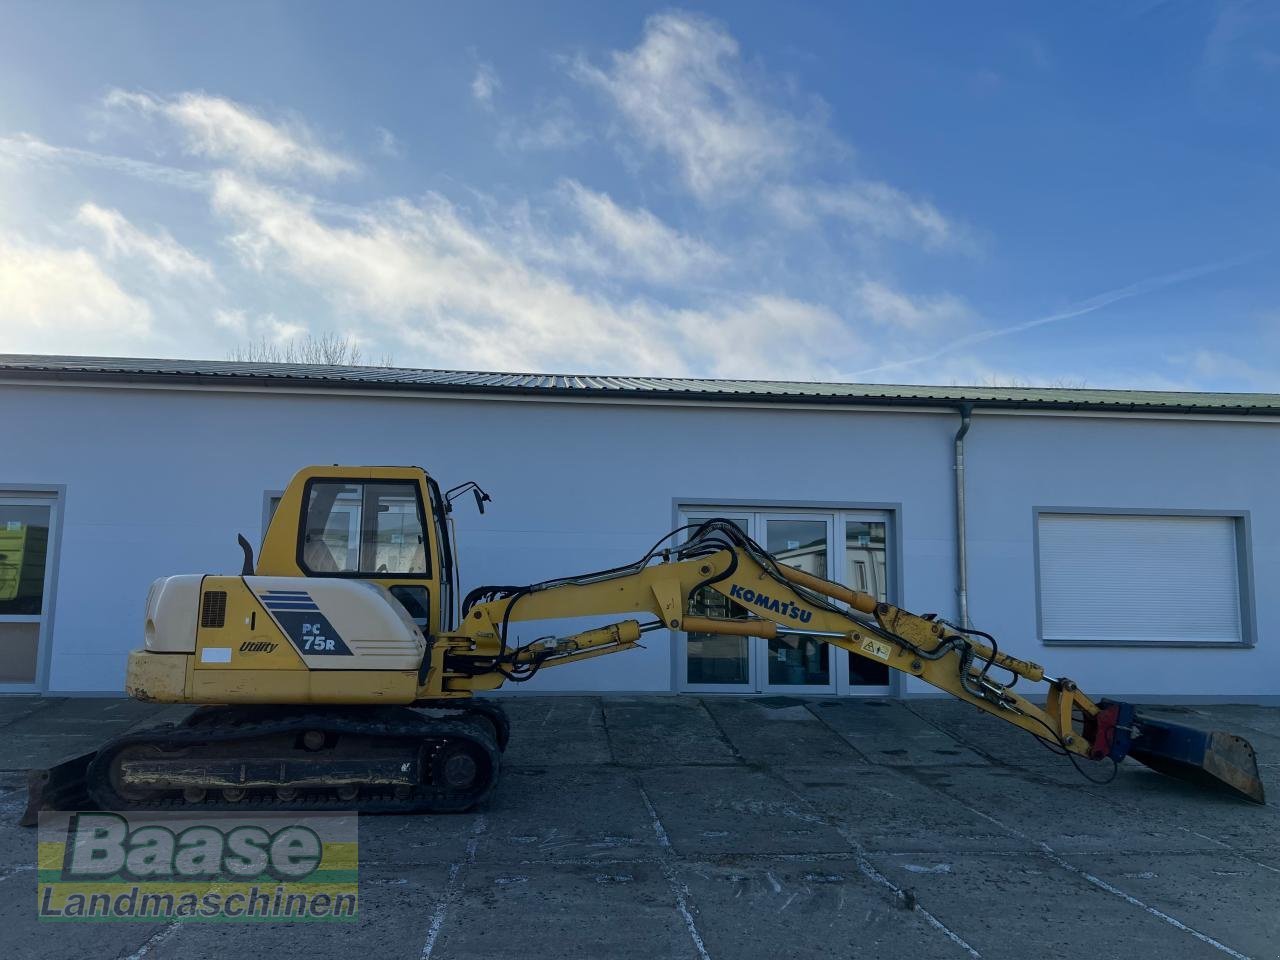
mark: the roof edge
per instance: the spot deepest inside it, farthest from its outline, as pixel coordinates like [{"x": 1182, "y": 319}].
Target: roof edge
[{"x": 180, "y": 378}]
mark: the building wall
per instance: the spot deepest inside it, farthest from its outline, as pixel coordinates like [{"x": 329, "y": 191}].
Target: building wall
[
  {"x": 160, "y": 481},
  {"x": 1018, "y": 463}
]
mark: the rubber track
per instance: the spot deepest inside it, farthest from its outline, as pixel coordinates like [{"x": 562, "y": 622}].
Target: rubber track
[{"x": 423, "y": 799}]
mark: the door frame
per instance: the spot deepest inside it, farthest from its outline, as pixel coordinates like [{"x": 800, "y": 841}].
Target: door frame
[
  {"x": 890, "y": 510},
  {"x": 54, "y": 496}
]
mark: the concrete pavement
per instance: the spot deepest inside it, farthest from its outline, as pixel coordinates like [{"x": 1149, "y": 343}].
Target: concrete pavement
[{"x": 691, "y": 827}]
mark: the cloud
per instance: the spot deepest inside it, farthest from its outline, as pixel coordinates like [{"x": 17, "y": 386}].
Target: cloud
[
  {"x": 551, "y": 126},
  {"x": 29, "y": 149},
  {"x": 264, "y": 328},
  {"x": 874, "y": 207},
  {"x": 485, "y": 84},
  {"x": 235, "y": 321},
  {"x": 226, "y": 131},
  {"x": 637, "y": 243},
  {"x": 52, "y": 297},
  {"x": 684, "y": 91},
  {"x": 387, "y": 143},
  {"x": 159, "y": 250},
  {"x": 1217, "y": 367},
  {"x": 441, "y": 288},
  {"x": 445, "y": 289},
  {"x": 915, "y": 315},
  {"x": 741, "y": 340},
  {"x": 1078, "y": 309}
]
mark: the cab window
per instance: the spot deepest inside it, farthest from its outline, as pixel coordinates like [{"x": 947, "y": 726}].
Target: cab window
[{"x": 363, "y": 528}]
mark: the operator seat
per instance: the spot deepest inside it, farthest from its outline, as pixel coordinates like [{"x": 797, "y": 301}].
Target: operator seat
[{"x": 317, "y": 556}]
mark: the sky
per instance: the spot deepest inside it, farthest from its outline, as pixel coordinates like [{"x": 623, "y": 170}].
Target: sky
[{"x": 1012, "y": 193}]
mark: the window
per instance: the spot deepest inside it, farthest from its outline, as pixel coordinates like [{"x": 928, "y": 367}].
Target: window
[
  {"x": 1136, "y": 578},
  {"x": 372, "y": 529},
  {"x": 270, "y": 504},
  {"x": 26, "y": 571},
  {"x": 416, "y": 602}
]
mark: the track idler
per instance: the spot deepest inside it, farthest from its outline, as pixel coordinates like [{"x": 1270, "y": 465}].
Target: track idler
[{"x": 1206, "y": 758}]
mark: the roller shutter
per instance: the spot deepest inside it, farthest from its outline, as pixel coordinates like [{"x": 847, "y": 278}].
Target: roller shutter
[{"x": 1139, "y": 579}]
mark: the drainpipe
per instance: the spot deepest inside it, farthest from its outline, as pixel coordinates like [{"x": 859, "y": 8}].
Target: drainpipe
[{"x": 962, "y": 565}]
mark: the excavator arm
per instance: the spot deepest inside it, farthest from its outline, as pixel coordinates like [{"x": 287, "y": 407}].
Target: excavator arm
[{"x": 778, "y": 600}]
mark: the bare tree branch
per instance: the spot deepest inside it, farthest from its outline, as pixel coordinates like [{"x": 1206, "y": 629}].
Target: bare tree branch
[{"x": 327, "y": 348}]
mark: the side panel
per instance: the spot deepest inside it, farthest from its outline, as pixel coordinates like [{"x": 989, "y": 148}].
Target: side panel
[{"x": 289, "y": 623}]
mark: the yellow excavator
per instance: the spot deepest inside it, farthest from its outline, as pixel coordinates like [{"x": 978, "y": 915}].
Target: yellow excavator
[{"x": 340, "y": 670}]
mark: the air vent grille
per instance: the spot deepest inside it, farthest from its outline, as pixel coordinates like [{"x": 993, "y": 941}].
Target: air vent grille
[{"x": 213, "y": 612}]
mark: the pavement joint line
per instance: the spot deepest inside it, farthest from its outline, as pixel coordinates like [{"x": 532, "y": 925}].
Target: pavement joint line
[
  {"x": 981, "y": 750},
  {"x": 604, "y": 725},
  {"x": 1050, "y": 854},
  {"x": 864, "y": 864},
  {"x": 809, "y": 706},
  {"x": 719, "y": 860},
  {"x": 612, "y": 765},
  {"x": 659, "y": 830},
  {"x": 153, "y": 941},
  {"x": 678, "y": 888},
  {"x": 450, "y": 891},
  {"x": 42, "y": 705},
  {"x": 715, "y": 722},
  {"x": 867, "y": 868},
  {"x": 1226, "y": 846},
  {"x": 14, "y": 871}
]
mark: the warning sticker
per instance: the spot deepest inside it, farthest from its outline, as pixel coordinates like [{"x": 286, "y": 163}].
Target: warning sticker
[{"x": 877, "y": 648}]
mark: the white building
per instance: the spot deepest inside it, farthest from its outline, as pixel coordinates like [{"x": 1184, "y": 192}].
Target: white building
[{"x": 1125, "y": 539}]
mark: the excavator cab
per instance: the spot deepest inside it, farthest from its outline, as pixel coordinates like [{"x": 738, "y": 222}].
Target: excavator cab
[{"x": 384, "y": 525}]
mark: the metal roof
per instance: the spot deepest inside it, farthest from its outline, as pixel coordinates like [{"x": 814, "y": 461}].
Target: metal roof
[{"x": 27, "y": 367}]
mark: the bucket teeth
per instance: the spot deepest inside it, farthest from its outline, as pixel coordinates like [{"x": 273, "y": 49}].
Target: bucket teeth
[{"x": 1210, "y": 758}]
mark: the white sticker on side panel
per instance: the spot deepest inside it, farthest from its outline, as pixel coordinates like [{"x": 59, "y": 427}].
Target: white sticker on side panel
[{"x": 215, "y": 655}]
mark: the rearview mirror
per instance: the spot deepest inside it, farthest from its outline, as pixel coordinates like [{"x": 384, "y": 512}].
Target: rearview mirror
[{"x": 454, "y": 492}]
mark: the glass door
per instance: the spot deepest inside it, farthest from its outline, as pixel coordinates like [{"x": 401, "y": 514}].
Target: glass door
[
  {"x": 792, "y": 662},
  {"x": 712, "y": 663},
  {"x": 864, "y": 565},
  {"x": 25, "y": 577},
  {"x": 848, "y": 546}
]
